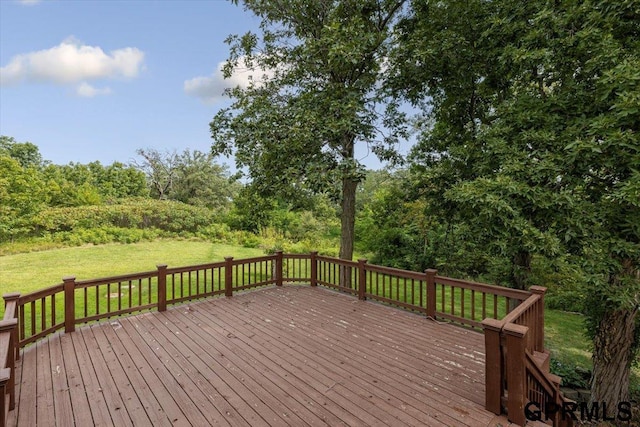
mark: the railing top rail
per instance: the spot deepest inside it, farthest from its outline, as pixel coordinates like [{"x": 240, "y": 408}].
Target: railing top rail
[
  {"x": 174, "y": 270},
  {"x": 36, "y": 295},
  {"x": 120, "y": 278},
  {"x": 296, "y": 256},
  {"x": 520, "y": 309},
  {"x": 395, "y": 272},
  {"x": 338, "y": 261},
  {"x": 253, "y": 259},
  {"x": 493, "y": 289},
  {"x": 539, "y": 375}
]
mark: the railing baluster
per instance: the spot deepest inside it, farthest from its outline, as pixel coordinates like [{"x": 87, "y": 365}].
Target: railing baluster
[
  {"x": 97, "y": 293},
  {"x": 119, "y": 296},
  {"x": 53, "y": 309},
  {"x": 495, "y": 306},
  {"x": 43, "y": 313},
  {"x": 108, "y": 297},
  {"x": 484, "y": 305},
  {"x": 33, "y": 317},
  {"x": 473, "y": 304},
  {"x": 21, "y": 320}
]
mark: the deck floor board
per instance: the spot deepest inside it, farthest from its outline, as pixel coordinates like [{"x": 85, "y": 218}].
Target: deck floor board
[{"x": 293, "y": 356}]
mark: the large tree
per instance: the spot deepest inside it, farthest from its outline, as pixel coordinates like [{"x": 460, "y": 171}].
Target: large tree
[
  {"x": 200, "y": 181},
  {"x": 314, "y": 96},
  {"x": 26, "y": 153},
  {"x": 535, "y": 144},
  {"x": 22, "y": 195},
  {"x": 192, "y": 177}
]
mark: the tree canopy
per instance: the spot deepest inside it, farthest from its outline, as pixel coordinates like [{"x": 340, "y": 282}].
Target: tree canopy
[
  {"x": 312, "y": 97},
  {"x": 530, "y": 138}
]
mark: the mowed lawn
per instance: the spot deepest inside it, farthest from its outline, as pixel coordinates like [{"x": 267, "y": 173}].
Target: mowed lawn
[{"x": 32, "y": 271}]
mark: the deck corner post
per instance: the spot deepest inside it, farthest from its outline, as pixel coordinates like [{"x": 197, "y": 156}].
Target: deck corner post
[
  {"x": 362, "y": 279},
  {"x": 13, "y": 297},
  {"x": 431, "y": 292},
  {"x": 494, "y": 380},
  {"x": 516, "y": 372},
  {"x": 539, "y": 290},
  {"x": 5, "y": 374},
  {"x": 314, "y": 268},
  {"x": 278, "y": 268},
  {"x": 162, "y": 287},
  {"x": 9, "y": 326},
  {"x": 228, "y": 276},
  {"x": 69, "y": 283}
]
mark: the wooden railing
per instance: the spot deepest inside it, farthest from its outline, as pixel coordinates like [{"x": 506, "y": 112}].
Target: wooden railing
[
  {"x": 513, "y": 320},
  {"x": 517, "y": 366},
  {"x": 9, "y": 353}
]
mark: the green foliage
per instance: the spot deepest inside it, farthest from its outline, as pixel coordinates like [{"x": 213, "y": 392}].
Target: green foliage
[
  {"x": 25, "y": 153},
  {"x": 169, "y": 216},
  {"x": 564, "y": 281},
  {"x": 530, "y": 139},
  {"x": 21, "y": 197},
  {"x": 76, "y": 184},
  {"x": 190, "y": 177},
  {"x": 103, "y": 235},
  {"x": 202, "y": 182},
  {"x": 572, "y": 375}
]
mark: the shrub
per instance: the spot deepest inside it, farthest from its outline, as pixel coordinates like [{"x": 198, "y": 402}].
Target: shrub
[{"x": 170, "y": 216}]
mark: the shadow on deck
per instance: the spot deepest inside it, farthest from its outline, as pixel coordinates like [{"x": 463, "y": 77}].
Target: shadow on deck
[{"x": 289, "y": 355}]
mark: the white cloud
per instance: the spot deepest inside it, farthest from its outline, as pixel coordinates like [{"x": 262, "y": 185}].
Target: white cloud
[
  {"x": 29, "y": 2},
  {"x": 210, "y": 88},
  {"x": 72, "y": 62},
  {"x": 85, "y": 90}
]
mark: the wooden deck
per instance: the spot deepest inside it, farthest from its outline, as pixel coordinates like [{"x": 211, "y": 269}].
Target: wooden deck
[{"x": 291, "y": 355}]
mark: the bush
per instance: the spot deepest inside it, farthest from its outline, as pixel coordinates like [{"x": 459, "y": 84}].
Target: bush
[
  {"x": 572, "y": 375},
  {"x": 102, "y": 235},
  {"x": 165, "y": 215}
]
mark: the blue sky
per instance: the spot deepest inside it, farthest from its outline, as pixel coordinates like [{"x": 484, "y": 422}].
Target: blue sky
[{"x": 89, "y": 80}]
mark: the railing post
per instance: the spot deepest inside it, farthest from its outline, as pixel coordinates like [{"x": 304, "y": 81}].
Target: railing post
[
  {"x": 314, "y": 268},
  {"x": 493, "y": 370},
  {"x": 431, "y": 292},
  {"x": 5, "y": 375},
  {"x": 228, "y": 276},
  {"x": 539, "y": 290},
  {"x": 278, "y": 268},
  {"x": 516, "y": 372},
  {"x": 362, "y": 279},
  {"x": 69, "y": 303},
  {"x": 8, "y": 298},
  {"x": 162, "y": 287},
  {"x": 9, "y": 326}
]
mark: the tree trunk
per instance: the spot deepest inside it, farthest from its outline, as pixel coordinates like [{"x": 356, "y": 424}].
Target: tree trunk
[
  {"x": 612, "y": 357},
  {"x": 520, "y": 272},
  {"x": 521, "y": 269},
  {"x": 348, "y": 221}
]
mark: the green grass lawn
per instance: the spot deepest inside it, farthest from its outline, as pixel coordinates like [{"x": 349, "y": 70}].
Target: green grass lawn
[
  {"x": 564, "y": 336},
  {"x": 28, "y": 272}
]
